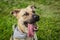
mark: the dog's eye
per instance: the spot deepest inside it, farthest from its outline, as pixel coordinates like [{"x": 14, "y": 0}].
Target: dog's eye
[
  {"x": 33, "y": 11},
  {"x": 26, "y": 14}
]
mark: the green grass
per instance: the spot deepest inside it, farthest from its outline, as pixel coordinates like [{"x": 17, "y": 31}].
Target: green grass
[{"x": 48, "y": 10}]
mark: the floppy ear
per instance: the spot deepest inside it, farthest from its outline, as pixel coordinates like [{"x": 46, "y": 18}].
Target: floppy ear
[{"x": 15, "y": 12}]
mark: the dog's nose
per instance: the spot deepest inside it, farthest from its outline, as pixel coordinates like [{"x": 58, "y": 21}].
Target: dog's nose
[{"x": 36, "y": 17}]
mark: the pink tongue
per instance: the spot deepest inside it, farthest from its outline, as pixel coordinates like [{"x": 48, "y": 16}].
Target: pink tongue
[{"x": 30, "y": 30}]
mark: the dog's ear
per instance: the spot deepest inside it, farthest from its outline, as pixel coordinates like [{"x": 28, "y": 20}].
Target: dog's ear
[
  {"x": 32, "y": 7},
  {"x": 15, "y": 12}
]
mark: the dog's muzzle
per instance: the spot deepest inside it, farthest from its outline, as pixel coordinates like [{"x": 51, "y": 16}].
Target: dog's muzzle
[{"x": 34, "y": 19}]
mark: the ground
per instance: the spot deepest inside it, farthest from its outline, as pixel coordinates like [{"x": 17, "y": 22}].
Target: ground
[{"x": 48, "y": 10}]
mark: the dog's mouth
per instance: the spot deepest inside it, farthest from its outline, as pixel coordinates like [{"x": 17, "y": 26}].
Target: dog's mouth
[
  {"x": 30, "y": 24},
  {"x": 31, "y": 28}
]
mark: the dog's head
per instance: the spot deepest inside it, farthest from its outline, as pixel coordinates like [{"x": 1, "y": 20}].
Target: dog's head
[{"x": 26, "y": 15}]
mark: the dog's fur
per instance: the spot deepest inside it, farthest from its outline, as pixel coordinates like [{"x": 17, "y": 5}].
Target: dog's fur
[{"x": 22, "y": 16}]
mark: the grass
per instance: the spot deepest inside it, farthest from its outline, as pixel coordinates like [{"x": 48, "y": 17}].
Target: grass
[{"x": 48, "y": 10}]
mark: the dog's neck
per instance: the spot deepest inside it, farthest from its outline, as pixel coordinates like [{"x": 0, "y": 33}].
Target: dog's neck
[{"x": 22, "y": 27}]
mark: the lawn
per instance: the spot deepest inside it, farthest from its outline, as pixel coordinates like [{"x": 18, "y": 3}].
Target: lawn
[{"x": 48, "y": 10}]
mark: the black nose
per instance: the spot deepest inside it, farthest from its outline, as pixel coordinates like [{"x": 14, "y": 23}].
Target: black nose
[{"x": 36, "y": 17}]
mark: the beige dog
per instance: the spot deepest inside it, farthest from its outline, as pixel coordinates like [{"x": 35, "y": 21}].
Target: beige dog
[{"x": 24, "y": 17}]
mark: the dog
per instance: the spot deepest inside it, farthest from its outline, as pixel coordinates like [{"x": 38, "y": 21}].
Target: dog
[{"x": 26, "y": 24}]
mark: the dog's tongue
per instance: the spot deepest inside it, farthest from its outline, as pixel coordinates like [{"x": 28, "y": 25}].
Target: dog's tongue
[{"x": 30, "y": 30}]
